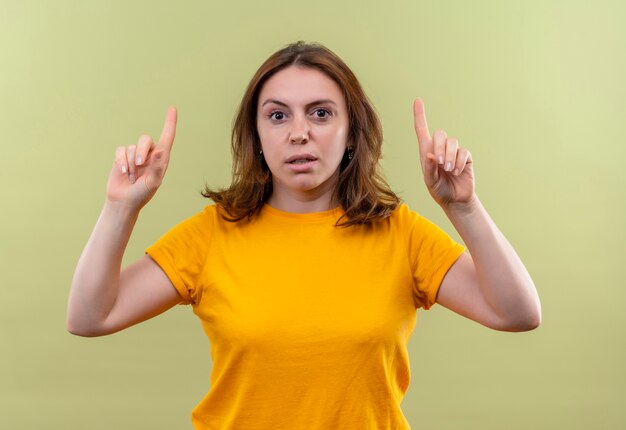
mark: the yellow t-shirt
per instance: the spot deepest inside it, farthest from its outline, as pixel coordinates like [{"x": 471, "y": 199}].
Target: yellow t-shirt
[{"x": 308, "y": 323}]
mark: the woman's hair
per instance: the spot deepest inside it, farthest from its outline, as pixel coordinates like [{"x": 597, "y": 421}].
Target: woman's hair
[{"x": 362, "y": 191}]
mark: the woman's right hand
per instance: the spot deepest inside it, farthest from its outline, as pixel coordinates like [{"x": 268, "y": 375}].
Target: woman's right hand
[{"x": 139, "y": 169}]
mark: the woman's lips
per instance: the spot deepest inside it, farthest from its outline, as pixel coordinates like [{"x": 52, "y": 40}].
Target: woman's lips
[
  {"x": 301, "y": 162},
  {"x": 301, "y": 156},
  {"x": 302, "y": 165}
]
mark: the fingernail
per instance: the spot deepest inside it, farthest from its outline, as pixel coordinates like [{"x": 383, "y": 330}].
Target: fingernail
[
  {"x": 456, "y": 172},
  {"x": 440, "y": 159},
  {"x": 132, "y": 179},
  {"x": 448, "y": 166},
  {"x": 138, "y": 160},
  {"x": 124, "y": 169}
]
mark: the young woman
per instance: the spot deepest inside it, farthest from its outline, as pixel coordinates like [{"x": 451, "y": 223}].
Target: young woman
[{"x": 307, "y": 271}]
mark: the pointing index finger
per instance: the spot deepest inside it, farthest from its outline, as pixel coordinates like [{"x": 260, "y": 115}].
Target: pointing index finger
[
  {"x": 169, "y": 128},
  {"x": 421, "y": 127}
]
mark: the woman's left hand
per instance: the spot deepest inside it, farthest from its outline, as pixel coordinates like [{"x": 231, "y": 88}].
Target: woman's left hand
[{"x": 448, "y": 169}]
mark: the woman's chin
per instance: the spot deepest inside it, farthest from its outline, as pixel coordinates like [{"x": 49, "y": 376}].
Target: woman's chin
[{"x": 304, "y": 186}]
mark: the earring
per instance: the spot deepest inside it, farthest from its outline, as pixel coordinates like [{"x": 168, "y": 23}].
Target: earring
[{"x": 350, "y": 154}]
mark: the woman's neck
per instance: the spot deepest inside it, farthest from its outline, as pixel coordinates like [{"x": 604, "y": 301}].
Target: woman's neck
[{"x": 303, "y": 201}]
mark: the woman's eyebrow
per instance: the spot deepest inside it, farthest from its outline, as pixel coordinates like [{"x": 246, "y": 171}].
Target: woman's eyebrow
[{"x": 316, "y": 102}]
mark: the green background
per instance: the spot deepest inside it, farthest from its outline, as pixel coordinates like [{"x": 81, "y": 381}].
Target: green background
[{"x": 536, "y": 90}]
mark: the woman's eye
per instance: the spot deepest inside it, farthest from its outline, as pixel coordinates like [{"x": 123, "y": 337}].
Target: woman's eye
[
  {"x": 319, "y": 114},
  {"x": 322, "y": 113},
  {"x": 277, "y": 115}
]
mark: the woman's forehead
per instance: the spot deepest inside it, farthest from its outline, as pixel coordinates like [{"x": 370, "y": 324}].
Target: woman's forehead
[{"x": 295, "y": 86}]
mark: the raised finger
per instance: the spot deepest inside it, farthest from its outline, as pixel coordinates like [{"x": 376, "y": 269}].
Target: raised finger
[
  {"x": 452, "y": 146},
  {"x": 439, "y": 146},
  {"x": 144, "y": 145},
  {"x": 120, "y": 158},
  {"x": 132, "y": 169},
  {"x": 169, "y": 129},
  {"x": 421, "y": 127}
]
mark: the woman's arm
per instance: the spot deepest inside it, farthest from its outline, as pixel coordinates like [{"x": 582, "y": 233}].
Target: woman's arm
[
  {"x": 490, "y": 285},
  {"x": 102, "y": 299}
]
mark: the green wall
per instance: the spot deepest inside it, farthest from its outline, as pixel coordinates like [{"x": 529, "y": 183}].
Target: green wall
[{"x": 534, "y": 89}]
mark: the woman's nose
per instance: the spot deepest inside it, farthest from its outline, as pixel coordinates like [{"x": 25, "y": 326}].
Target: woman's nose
[
  {"x": 299, "y": 131},
  {"x": 298, "y": 138}
]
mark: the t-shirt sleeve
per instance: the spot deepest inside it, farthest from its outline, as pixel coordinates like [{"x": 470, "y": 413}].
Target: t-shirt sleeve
[
  {"x": 182, "y": 253},
  {"x": 431, "y": 253}
]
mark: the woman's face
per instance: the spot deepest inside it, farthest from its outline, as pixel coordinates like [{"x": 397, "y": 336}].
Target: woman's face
[{"x": 302, "y": 121}]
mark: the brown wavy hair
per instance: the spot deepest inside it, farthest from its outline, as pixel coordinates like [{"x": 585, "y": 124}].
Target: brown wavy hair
[{"x": 361, "y": 189}]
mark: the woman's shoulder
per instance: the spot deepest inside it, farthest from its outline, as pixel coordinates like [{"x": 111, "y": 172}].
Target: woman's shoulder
[
  {"x": 408, "y": 219},
  {"x": 404, "y": 214},
  {"x": 198, "y": 220},
  {"x": 210, "y": 210}
]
